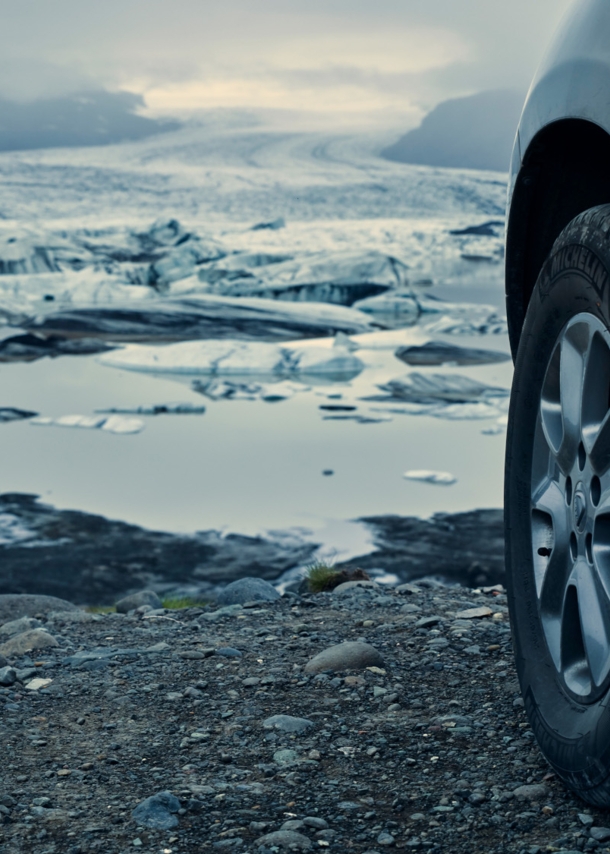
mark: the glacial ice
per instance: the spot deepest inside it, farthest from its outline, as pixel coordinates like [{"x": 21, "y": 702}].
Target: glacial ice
[
  {"x": 439, "y": 478},
  {"x": 334, "y": 277},
  {"x": 204, "y": 316},
  {"x": 108, "y": 423},
  {"x": 240, "y": 358},
  {"x": 433, "y": 388}
]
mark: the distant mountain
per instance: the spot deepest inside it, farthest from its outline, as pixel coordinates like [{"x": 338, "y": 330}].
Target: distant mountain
[
  {"x": 476, "y": 132},
  {"x": 90, "y": 118}
]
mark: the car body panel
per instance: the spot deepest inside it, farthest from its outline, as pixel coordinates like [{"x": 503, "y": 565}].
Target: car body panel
[{"x": 573, "y": 80}]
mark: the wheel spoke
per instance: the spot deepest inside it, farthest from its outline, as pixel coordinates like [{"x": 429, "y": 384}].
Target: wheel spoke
[
  {"x": 550, "y": 499},
  {"x": 600, "y": 452},
  {"x": 594, "y": 609},
  {"x": 552, "y": 598},
  {"x": 571, "y": 373}
]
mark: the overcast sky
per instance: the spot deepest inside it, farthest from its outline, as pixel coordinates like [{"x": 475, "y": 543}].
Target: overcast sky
[{"x": 400, "y": 56}]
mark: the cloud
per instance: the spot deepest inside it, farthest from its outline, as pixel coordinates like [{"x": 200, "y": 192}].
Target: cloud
[{"x": 391, "y": 54}]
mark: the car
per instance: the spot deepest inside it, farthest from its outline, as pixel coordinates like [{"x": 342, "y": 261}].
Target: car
[{"x": 557, "y": 481}]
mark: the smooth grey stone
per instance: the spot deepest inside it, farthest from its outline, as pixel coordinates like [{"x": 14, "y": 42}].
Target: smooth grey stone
[
  {"x": 284, "y": 839},
  {"x": 247, "y": 590},
  {"x": 26, "y": 642},
  {"x": 16, "y": 605},
  {"x": 534, "y": 792},
  {"x": 8, "y": 676},
  {"x": 286, "y": 757},
  {"x": 600, "y": 834},
  {"x": 350, "y": 655},
  {"x": 348, "y": 586},
  {"x": 157, "y": 811},
  {"x": 16, "y": 627},
  {"x": 286, "y": 723},
  {"x": 228, "y": 652},
  {"x": 385, "y": 839},
  {"x": 144, "y": 597}
]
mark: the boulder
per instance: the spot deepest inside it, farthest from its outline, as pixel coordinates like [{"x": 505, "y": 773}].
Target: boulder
[
  {"x": 350, "y": 655},
  {"x": 136, "y": 600},
  {"x": 247, "y": 590},
  {"x": 16, "y": 605},
  {"x": 18, "y": 645},
  {"x": 157, "y": 811},
  {"x": 16, "y": 627}
]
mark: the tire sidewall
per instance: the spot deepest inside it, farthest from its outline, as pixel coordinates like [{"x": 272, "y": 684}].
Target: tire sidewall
[{"x": 575, "y": 738}]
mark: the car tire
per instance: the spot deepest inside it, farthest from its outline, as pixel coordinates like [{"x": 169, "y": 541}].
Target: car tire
[{"x": 557, "y": 507}]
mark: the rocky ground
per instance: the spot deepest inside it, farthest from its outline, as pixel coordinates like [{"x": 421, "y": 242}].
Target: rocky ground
[
  {"x": 89, "y": 559},
  {"x": 411, "y": 737}
]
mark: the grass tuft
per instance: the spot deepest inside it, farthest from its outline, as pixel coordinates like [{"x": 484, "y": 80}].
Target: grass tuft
[
  {"x": 101, "y": 609},
  {"x": 177, "y": 603},
  {"x": 321, "y": 576}
]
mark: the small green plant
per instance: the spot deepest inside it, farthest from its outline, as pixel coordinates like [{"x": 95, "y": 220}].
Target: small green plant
[
  {"x": 177, "y": 603},
  {"x": 101, "y": 609},
  {"x": 321, "y": 576}
]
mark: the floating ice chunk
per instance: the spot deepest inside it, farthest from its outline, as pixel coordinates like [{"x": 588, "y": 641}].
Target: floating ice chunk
[
  {"x": 441, "y": 353},
  {"x": 225, "y": 358},
  {"x": 400, "y": 305},
  {"x": 8, "y": 413},
  {"x": 492, "y": 324},
  {"x": 498, "y": 428},
  {"x": 110, "y": 424},
  {"x": 181, "y": 261},
  {"x": 466, "y": 411},
  {"x": 433, "y": 388},
  {"x": 203, "y": 316},
  {"x": 332, "y": 277},
  {"x": 159, "y": 409},
  {"x": 273, "y": 225},
  {"x": 440, "y": 478}
]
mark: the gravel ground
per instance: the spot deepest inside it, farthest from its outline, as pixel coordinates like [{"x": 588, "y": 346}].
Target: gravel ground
[{"x": 427, "y": 749}]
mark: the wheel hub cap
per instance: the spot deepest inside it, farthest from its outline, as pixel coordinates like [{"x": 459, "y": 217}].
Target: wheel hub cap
[{"x": 570, "y": 507}]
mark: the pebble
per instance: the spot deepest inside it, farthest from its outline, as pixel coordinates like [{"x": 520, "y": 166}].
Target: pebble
[
  {"x": 247, "y": 590},
  {"x": 600, "y": 834},
  {"x": 533, "y": 792},
  {"x": 285, "y": 757},
  {"x": 385, "y": 839},
  {"x": 286, "y": 723},
  {"x": 228, "y": 652},
  {"x": 474, "y": 613},
  {"x": 8, "y": 676},
  {"x": 136, "y": 600},
  {"x": 288, "y": 839},
  {"x": 349, "y": 586},
  {"x": 157, "y": 811},
  {"x": 350, "y": 655}
]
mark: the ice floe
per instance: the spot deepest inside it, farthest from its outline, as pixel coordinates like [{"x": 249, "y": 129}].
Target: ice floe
[
  {"x": 9, "y": 414},
  {"x": 434, "y": 388},
  {"x": 222, "y": 358},
  {"x": 332, "y": 277},
  {"x": 442, "y": 353},
  {"x": 158, "y": 409},
  {"x": 439, "y": 478},
  {"x": 108, "y": 423},
  {"x": 206, "y": 316}
]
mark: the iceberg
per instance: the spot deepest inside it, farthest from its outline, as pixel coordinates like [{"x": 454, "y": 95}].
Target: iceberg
[
  {"x": 441, "y": 353},
  {"x": 206, "y": 316},
  {"x": 434, "y": 388},
  {"x": 342, "y": 278},
  {"x": 240, "y": 358}
]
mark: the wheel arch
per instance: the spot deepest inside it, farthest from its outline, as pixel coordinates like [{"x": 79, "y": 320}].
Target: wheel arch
[{"x": 565, "y": 171}]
